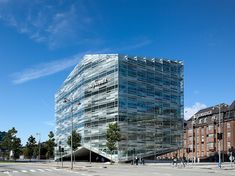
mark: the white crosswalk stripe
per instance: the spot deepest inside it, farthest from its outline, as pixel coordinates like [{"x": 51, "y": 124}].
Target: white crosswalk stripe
[
  {"x": 41, "y": 170},
  {"x": 49, "y": 170},
  {"x": 30, "y": 170}
]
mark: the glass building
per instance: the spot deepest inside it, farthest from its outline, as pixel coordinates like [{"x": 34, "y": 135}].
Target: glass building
[{"x": 143, "y": 95}]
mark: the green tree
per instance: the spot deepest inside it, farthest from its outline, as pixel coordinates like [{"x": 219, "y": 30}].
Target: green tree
[
  {"x": 112, "y": 137},
  {"x": 11, "y": 143},
  {"x": 50, "y": 144},
  {"x": 76, "y": 140},
  {"x": 30, "y": 148},
  {"x": 16, "y": 148}
]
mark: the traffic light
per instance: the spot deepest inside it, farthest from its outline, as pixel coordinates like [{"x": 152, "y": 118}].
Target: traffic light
[{"x": 219, "y": 136}]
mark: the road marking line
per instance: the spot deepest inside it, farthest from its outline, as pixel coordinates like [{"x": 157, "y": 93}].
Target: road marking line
[
  {"x": 49, "y": 170},
  {"x": 15, "y": 171},
  {"x": 32, "y": 170},
  {"x": 24, "y": 171},
  {"x": 41, "y": 170}
]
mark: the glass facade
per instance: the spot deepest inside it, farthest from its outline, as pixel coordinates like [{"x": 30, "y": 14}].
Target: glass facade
[{"x": 143, "y": 95}]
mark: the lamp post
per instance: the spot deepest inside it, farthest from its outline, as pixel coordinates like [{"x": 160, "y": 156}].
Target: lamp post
[
  {"x": 90, "y": 143},
  {"x": 39, "y": 147},
  {"x": 193, "y": 159},
  {"x": 219, "y": 134},
  {"x": 66, "y": 100}
]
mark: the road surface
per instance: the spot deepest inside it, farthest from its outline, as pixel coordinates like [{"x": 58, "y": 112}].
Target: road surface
[{"x": 99, "y": 169}]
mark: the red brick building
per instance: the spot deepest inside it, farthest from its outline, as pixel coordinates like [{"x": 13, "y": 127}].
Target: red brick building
[{"x": 202, "y": 134}]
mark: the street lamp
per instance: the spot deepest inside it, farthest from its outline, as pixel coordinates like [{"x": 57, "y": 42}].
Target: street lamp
[
  {"x": 219, "y": 134},
  {"x": 90, "y": 142},
  {"x": 39, "y": 147},
  {"x": 193, "y": 123},
  {"x": 66, "y": 100}
]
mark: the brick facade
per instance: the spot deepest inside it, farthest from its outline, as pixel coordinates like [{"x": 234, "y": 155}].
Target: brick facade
[{"x": 201, "y": 134}]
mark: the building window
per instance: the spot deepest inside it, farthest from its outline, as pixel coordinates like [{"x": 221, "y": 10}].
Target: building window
[
  {"x": 211, "y": 127},
  {"x": 205, "y": 120},
  {"x": 228, "y": 134},
  {"x": 210, "y": 145},
  {"x": 198, "y": 140},
  {"x": 228, "y": 125},
  {"x": 202, "y": 138},
  {"x": 200, "y": 121},
  {"x": 213, "y": 118},
  {"x": 202, "y": 131},
  {"x": 228, "y": 144},
  {"x": 190, "y": 131},
  {"x": 190, "y": 146},
  {"x": 210, "y": 135},
  {"x": 190, "y": 138}
]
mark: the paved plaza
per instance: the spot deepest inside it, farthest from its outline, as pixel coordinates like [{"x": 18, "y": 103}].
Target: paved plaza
[{"x": 101, "y": 169}]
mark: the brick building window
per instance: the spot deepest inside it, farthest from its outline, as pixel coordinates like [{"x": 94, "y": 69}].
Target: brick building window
[
  {"x": 202, "y": 138},
  {"x": 210, "y": 127},
  {"x": 228, "y": 144}
]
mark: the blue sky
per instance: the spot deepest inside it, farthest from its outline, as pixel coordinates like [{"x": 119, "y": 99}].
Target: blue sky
[{"x": 41, "y": 41}]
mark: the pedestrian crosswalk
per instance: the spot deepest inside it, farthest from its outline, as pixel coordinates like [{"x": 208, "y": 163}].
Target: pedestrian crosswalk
[{"x": 29, "y": 170}]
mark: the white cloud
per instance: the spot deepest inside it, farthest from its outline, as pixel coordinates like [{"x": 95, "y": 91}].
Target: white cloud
[
  {"x": 45, "y": 69},
  {"x": 138, "y": 43},
  {"x": 190, "y": 111},
  {"x": 56, "y": 24}
]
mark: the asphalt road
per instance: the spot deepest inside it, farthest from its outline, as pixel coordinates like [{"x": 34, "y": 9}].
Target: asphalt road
[{"x": 98, "y": 169}]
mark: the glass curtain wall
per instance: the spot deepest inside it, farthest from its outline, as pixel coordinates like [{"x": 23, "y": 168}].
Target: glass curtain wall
[
  {"x": 150, "y": 106},
  {"x": 93, "y": 85}
]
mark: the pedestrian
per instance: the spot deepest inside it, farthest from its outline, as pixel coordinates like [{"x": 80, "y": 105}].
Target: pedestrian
[
  {"x": 102, "y": 159},
  {"x": 136, "y": 160},
  {"x": 175, "y": 161},
  {"x": 184, "y": 161}
]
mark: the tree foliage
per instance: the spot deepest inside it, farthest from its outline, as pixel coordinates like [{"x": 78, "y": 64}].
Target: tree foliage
[
  {"x": 112, "y": 136},
  {"x": 76, "y": 140},
  {"x": 31, "y": 147},
  {"x": 11, "y": 142},
  {"x": 50, "y": 144}
]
